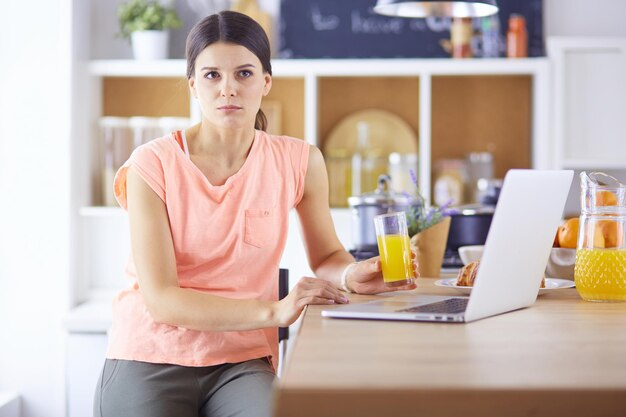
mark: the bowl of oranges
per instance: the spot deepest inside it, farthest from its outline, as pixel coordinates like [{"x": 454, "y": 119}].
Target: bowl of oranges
[{"x": 563, "y": 255}]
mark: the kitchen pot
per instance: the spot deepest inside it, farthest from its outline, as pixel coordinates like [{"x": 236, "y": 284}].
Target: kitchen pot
[
  {"x": 469, "y": 225},
  {"x": 366, "y": 206}
]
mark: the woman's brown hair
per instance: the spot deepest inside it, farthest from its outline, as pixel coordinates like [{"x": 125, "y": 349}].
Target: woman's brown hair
[{"x": 232, "y": 27}]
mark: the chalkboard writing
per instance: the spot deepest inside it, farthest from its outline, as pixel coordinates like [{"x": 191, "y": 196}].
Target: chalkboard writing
[{"x": 350, "y": 29}]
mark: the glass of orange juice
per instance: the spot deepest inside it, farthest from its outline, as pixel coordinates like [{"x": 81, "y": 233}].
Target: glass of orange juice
[{"x": 394, "y": 248}]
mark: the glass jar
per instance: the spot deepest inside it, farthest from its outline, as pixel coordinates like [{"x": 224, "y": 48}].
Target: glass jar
[
  {"x": 449, "y": 188},
  {"x": 600, "y": 269}
]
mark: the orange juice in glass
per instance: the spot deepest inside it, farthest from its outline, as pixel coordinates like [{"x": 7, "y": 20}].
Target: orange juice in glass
[{"x": 394, "y": 248}]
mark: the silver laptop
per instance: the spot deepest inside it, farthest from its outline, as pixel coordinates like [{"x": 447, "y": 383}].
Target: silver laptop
[{"x": 516, "y": 252}]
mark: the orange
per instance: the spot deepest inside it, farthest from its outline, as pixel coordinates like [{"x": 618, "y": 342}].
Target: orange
[
  {"x": 606, "y": 198},
  {"x": 613, "y": 233},
  {"x": 598, "y": 238},
  {"x": 568, "y": 233}
]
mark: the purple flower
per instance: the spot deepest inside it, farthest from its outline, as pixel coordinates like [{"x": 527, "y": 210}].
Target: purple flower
[{"x": 413, "y": 176}]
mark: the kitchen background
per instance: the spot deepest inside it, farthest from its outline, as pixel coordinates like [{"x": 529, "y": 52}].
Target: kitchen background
[{"x": 41, "y": 59}]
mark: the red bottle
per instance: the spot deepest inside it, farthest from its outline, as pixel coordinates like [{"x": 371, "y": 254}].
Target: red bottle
[{"x": 517, "y": 37}]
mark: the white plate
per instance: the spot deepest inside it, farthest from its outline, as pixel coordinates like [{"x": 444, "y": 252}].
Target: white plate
[{"x": 551, "y": 284}]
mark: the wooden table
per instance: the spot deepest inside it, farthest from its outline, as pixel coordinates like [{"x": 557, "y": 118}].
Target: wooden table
[{"x": 561, "y": 357}]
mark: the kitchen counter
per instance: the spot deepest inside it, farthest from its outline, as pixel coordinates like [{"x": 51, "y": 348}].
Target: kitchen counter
[
  {"x": 562, "y": 356},
  {"x": 90, "y": 317}
]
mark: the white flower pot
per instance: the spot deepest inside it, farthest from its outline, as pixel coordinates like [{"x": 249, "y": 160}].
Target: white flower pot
[{"x": 150, "y": 44}]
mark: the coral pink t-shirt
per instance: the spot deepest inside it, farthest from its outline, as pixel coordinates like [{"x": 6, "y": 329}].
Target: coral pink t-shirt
[{"x": 228, "y": 241}]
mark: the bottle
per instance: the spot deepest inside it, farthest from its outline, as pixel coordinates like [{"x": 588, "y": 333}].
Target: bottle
[
  {"x": 358, "y": 157},
  {"x": 461, "y": 33},
  {"x": 490, "y": 43},
  {"x": 517, "y": 37},
  {"x": 479, "y": 168}
]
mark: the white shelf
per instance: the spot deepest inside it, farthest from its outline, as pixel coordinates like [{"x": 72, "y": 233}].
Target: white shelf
[
  {"x": 93, "y": 316},
  {"x": 133, "y": 68},
  {"x": 101, "y": 211},
  {"x": 337, "y": 67}
]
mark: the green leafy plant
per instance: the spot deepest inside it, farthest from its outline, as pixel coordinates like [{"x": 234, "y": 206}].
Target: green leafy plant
[
  {"x": 140, "y": 15},
  {"x": 419, "y": 217}
]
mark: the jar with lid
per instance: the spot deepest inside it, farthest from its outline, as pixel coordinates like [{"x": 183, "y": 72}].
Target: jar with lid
[
  {"x": 116, "y": 145},
  {"x": 449, "y": 187},
  {"x": 600, "y": 268},
  {"x": 517, "y": 37}
]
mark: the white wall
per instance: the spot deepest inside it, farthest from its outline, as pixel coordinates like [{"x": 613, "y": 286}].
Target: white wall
[
  {"x": 34, "y": 201},
  {"x": 35, "y": 178}
]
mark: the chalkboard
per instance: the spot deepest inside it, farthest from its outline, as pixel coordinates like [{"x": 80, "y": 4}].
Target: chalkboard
[{"x": 350, "y": 29}]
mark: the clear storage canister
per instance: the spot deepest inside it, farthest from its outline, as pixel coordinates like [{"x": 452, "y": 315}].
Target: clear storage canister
[{"x": 116, "y": 141}]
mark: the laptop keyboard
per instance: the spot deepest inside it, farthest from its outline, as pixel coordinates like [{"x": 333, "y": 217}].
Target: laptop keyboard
[{"x": 449, "y": 306}]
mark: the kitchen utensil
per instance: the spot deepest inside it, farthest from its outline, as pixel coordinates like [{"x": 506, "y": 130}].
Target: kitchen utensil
[
  {"x": 367, "y": 206},
  {"x": 600, "y": 269},
  {"x": 469, "y": 225},
  {"x": 386, "y": 131}
]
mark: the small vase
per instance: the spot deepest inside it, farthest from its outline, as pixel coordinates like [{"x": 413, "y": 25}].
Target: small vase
[
  {"x": 430, "y": 245},
  {"x": 150, "y": 44}
]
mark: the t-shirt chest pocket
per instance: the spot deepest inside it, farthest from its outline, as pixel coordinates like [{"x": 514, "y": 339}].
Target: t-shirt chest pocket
[{"x": 261, "y": 227}]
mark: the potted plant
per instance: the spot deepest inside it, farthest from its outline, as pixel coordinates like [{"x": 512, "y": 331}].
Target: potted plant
[
  {"x": 428, "y": 230},
  {"x": 146, "y": 23}
]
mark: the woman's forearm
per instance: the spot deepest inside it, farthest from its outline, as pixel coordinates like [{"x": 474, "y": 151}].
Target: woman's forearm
[
  {"x": 332, "y": 266},
  {"x": 191, "y": 309}
]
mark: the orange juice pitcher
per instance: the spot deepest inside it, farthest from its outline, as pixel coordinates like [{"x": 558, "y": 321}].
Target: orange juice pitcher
[{"x": 600, "y": 270}]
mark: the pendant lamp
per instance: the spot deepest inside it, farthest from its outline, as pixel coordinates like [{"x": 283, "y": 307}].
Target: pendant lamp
[{"x": 427, "y": 8}]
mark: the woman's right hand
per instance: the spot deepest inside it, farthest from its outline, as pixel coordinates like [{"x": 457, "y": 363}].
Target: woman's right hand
[{"x": 306, "y": 291}]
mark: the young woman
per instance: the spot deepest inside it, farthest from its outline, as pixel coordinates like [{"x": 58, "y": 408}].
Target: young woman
[{"x": 195, "y": 334}]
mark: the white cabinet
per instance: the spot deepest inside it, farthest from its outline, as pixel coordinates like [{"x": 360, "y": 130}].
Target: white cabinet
[
  {"x": 86, "y": 344},
  {"x": 589, "y": 107},
  {"x": 589, "y": 101},
  {"x": 85, "y": 358}
]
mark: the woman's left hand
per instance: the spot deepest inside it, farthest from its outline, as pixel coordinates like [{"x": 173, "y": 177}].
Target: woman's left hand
[{"x": 366, "y": 277}]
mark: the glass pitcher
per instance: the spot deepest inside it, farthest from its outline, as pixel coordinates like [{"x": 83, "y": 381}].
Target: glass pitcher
[{"x": 600, "y": 270}]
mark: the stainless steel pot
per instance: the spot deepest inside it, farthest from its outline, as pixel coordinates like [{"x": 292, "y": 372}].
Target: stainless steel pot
[{"x": 365, "y": 207}]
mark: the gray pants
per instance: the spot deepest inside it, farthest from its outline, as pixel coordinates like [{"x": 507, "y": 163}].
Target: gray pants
[{"x": 140, "y": 389}]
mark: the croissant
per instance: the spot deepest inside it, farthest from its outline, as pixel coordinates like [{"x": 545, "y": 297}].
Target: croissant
[{"x": 467, "y": 275}]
